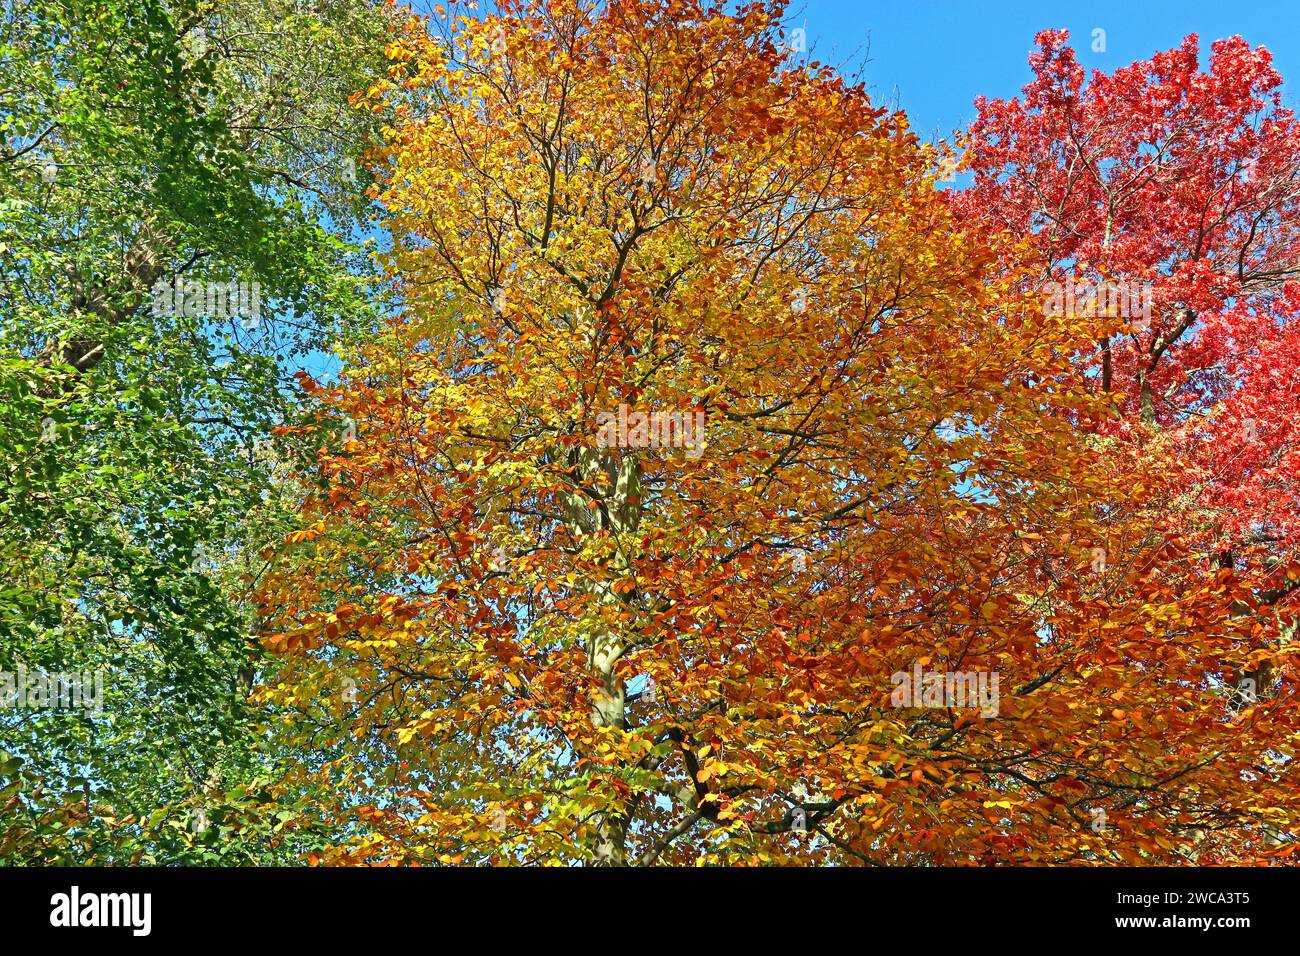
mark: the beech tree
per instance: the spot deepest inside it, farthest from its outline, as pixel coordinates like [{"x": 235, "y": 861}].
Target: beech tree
[{"x": 532, "y": 615}]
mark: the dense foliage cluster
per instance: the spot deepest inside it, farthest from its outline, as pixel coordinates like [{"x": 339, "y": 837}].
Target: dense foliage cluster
[{"x": 705, "y": 479}]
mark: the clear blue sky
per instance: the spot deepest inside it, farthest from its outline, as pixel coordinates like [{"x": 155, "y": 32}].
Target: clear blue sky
[{"x": 937, "y": 55}]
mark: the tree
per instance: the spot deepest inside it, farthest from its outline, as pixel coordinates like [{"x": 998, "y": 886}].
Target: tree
[
  {"x": 150, "y": 147},
  {"x": 1181, "y": 185},
  {"x": 704, "y": 426},
  {"x": 1179, "y": 188}
]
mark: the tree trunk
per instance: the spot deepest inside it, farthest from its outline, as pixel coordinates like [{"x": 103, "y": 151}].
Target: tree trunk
[{"x": 616, "y": 511}]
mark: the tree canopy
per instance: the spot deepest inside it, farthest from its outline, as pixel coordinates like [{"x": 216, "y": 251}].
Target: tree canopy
[{"x": 707, "y": 478}]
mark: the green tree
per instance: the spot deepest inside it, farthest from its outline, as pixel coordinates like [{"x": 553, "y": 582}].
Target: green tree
[{"x": 145, "y": 145}]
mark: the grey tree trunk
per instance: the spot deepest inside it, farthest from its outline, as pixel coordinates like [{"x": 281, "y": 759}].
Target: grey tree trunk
[{"x": 611, "y": 505}]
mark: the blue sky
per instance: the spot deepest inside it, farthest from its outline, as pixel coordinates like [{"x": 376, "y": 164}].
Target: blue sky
[{"x": 937, "y": 55}]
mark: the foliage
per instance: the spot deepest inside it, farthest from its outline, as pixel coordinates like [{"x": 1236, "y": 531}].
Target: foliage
[
  {"x": 650, "y": 206},
  {"x": 687, "y": 423},
  {"x": 145, "y": 142}
]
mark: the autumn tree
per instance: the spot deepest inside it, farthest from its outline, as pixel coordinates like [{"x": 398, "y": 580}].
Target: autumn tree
[
  {"x": 703, "y": 421},
  {"x": 1182, "y": 185},
  {"x": 1177, "y": 185}
]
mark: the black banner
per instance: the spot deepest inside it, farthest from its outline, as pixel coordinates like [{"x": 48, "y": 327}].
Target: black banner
[{"x": 948, "y": 907}]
